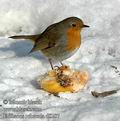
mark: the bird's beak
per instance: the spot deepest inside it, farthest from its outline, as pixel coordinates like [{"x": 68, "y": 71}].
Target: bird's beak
[{"x": 86, "y": 26}]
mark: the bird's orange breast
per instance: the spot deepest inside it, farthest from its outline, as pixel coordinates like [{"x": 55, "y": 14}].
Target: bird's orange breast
[{"x": 73, "y": 39}]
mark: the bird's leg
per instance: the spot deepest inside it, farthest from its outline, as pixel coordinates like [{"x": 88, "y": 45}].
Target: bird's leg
[
  {"x": 50, "y": 61},
  {"x": 61, "y": 63}
]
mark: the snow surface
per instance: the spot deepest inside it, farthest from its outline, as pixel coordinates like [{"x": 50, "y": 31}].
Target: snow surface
[{"x": 99, "y": 50}]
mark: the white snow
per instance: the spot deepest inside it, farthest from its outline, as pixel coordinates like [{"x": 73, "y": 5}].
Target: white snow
[{"x": 99, "y": 50}]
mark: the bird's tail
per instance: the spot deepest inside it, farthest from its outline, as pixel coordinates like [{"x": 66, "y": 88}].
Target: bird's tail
[{"x": 33, "y": 38}]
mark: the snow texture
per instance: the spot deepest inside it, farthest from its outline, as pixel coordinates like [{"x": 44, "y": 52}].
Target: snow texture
[{"x": 100, "y": 50}]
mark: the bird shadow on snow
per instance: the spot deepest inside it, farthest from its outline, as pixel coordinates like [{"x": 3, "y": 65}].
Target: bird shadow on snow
[{"x": 20, "y": 48}]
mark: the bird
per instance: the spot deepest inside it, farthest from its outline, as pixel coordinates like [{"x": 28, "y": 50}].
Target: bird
[{"x": 58, "y": 41}]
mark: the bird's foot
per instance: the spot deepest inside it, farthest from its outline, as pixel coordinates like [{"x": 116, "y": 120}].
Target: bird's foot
[{"x": 65, "y": 83}]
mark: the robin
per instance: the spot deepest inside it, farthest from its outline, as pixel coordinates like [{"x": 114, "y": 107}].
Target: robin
[{"x": 59, "y": 41}]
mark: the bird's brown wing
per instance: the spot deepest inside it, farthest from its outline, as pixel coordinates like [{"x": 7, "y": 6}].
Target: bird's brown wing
[
  {"x": 42, "y": 44},
  {"x": 48, "y": 39}
]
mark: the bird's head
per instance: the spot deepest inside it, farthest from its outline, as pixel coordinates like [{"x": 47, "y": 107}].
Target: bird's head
[{"x": 73, "y": 23}]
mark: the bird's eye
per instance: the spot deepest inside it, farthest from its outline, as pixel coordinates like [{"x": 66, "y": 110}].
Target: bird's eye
[{"x": 73, "y": 25}]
